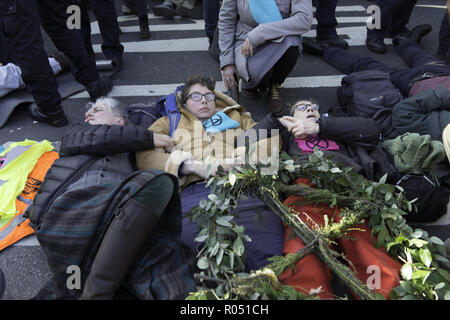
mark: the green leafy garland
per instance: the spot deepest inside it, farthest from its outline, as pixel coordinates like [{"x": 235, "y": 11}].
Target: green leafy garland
[{"x": 222, "y": 256}]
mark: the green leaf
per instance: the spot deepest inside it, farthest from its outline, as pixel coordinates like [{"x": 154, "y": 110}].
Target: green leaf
[
  {"x": 232, "y": 179},
  {"x": 417, "y": 242},
  {"x": 420, "y": 274},
  {"x": 440, "y": 285},
  {"x": 203, "y": 263},
  {"x": 406, "y": 271},
  {"x": 447, "y": 295},
  {"x": 212, "y": 197},
  {"x": 238, "y": 246},
  {"x": 383, "y": 179},
  {"x": 425, "y": 257},
  {"x": 219, "y": 256},
  {"x": 201, "y": 238},
  {"x": 231, "y": 260},
  {"x": 436, "y": 240},
  {"x": 224, "y": 221}
]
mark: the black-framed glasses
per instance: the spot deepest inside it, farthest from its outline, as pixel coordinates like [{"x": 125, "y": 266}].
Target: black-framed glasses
[
  {"x": 303, "y": 107},
  {"x": 197, "y": 96}
]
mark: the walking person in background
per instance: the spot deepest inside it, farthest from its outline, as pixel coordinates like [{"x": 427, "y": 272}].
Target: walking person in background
[
  {"x": 105, "y": 14},
  {"x": 20, "y": 26},
  {"x": 326, "y": 24},
  {"x": 395, "y": 16},
  {"x": 140, "y": 8}
]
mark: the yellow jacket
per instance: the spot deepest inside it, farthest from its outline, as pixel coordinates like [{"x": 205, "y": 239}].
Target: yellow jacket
[{"x": 192, "y": 142}]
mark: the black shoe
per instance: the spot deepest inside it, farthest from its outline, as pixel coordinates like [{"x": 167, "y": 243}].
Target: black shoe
[
  {"x": 417, "y": 33},
  {"x": 334, "y": 41},
  {"x": 194, "y": 13},
  {"x": 143, "y": 26},
  {"x": 375, "y": 44},
  {"x": 99, "y": 88},
  {"x": 56, "y": 118},
  {"x": 166, "y": 9},
  {"x": 312, "y": 46}
]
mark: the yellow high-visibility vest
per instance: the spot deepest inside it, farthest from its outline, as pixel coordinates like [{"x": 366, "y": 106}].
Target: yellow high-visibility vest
[{"x": 21, "y": 157}]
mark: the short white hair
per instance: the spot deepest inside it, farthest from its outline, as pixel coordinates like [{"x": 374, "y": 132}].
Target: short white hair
[{"x": 114, "y": 106}]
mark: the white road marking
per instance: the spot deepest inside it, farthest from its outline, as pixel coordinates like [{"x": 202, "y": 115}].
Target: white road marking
[
  {"x": 356, "y": 37},
  {"x": 157, "y": 90}
]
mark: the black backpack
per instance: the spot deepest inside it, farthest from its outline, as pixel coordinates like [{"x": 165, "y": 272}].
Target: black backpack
[
  {"x": 432, "y": 199},
  {"x": 369, "y": 94}
]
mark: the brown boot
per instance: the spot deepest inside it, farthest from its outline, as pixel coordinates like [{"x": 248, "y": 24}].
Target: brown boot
[
  {"x": 275, "y": 102},
  {"x": 122, "y": 242}
]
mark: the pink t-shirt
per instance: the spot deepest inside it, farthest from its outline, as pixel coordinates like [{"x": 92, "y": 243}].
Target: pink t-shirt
[{"x": 309, "y": 144}]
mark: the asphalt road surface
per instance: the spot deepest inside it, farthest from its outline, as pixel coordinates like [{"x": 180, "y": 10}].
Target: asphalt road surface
[{"x": 176, "y": 50}]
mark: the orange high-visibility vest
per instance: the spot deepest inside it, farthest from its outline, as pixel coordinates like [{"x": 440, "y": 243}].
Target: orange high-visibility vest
[{"x": 18, "y": 227}]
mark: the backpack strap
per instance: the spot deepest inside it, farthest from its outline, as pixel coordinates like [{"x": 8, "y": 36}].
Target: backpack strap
[{"x": 168, "y": 106}]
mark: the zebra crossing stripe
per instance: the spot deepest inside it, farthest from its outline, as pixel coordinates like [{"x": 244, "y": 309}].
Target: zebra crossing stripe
[
  {"x": 355, "y": 36},
  {"x": 200, "y": 24},
  {"x": 157, "y": 90}
]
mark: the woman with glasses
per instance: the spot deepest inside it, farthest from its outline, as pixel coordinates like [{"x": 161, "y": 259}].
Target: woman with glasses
[
  {"x": 352, "y": 141},
  {"x": 204, "y": 138}
]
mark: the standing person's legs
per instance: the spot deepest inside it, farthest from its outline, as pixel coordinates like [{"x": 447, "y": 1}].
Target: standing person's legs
[
  {"x": 142, "y": 9},
  {"x": 211, "y": 10},
  {"x": 106, "y": 15},
  {"x": 327, "y": 23},
  {"x": 22, "y": 35},
  {"x": 400, "y": 17},
  {"x": 375, "y": 36},
  {"x": 86, "y": 28},
  {"x": 70, "y": 42},
  {"x": 53, "y": 16}
]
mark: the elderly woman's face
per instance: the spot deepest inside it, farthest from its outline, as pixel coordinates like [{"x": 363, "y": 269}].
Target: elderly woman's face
[
  {"x": 101, "y": 114},
  {"x": 205, "y": 107},
  {"x": 306, "y": 110}
]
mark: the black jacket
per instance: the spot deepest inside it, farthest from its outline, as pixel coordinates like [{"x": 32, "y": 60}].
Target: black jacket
[
  {"x": 82, "y": 146},
  {"x": 356, "y": 137}
]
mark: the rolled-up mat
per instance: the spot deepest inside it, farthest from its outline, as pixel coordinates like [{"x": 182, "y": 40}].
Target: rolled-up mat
[
  {"x": 105, "y": 65},
  {"x": 67, "y": 86}
]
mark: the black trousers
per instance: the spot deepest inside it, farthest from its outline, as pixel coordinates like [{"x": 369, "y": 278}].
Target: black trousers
[
  {"x": 395, "y": 16},
  {"x": 211, "y": 9},
  {"x": 444, "y": 35},
  {"x": 326, "y": 18},
  {"x": 21, "y": 33},
  {"x": 281, "y": 69},
  {"x": 69, "y": 41},
  {"x": 105, "y": 14},
  {"x": 421, "y": 63}
]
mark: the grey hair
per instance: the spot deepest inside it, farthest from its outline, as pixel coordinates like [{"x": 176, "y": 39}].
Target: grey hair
[{"x": 114, "y": 106}]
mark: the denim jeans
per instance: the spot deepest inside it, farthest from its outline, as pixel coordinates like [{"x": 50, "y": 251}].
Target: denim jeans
[{"x": 267, "y": 233}]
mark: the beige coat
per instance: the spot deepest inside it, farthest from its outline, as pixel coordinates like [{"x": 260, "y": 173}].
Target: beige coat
[{"x": 192, "y": 142}]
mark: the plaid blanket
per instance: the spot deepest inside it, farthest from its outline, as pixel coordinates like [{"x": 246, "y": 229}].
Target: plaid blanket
[{"x": 71, "y": 230}]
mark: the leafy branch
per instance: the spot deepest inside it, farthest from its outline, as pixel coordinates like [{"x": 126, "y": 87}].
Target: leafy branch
[{"x": 222, "y": 257}]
